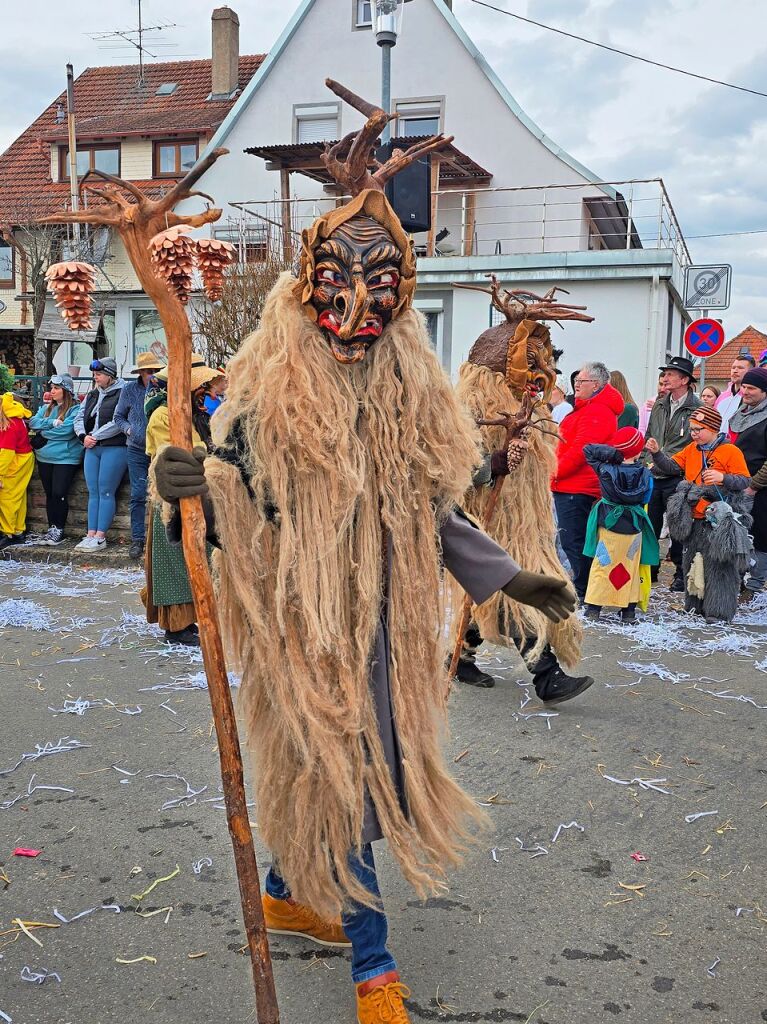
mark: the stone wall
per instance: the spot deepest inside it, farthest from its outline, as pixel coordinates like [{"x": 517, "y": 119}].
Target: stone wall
[{"x": 77, "y": 523}]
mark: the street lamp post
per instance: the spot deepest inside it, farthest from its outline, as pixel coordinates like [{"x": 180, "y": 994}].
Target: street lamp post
[{"x": 387, "y": 23}]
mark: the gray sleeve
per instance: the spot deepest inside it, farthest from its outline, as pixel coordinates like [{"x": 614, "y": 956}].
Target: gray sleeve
[
  {"x": 479, "y": 564},
  {"x": 106, "y": 430},
  {"x": 735, "y": 482},
  {"x": 80, "y": 421},
  {"x": 666, "y": 464},
  {"x": 122, "y": 411}
]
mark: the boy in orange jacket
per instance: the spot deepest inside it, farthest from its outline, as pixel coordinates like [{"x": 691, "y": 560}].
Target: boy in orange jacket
[{"x": 715, "y": 473}]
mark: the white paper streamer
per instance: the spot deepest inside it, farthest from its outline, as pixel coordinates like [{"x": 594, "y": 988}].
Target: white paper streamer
[
  {"x": 85, "y": 913},
  {"x": 653, "y": 784},
  {"x": 39, "y": 976},
  {"x": 690, "y": 818},
  {"x": 189, "y": 798},
  {"x": 562, "y": 827},
  {"x": 62, "y": 746}
]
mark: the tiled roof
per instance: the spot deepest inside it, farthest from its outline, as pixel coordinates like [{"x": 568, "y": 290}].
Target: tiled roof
[
  {"x": 718, "y": 365},
  {"x": 109, "y": 103}
]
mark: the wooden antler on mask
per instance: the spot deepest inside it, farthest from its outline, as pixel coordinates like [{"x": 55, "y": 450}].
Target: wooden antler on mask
[
  {"x": 519, "y": 304},
  {"x": 349, "y": 161}
]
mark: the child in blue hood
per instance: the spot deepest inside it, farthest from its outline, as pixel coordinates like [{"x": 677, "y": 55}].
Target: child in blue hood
[{"x": 619, "y": 535}]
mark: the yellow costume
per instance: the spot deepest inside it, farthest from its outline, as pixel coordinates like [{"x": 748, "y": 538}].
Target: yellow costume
[{"x": 17, "y": 461}]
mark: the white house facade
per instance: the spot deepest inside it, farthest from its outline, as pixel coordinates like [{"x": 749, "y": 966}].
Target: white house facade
[{"x": 512, "y": 201}]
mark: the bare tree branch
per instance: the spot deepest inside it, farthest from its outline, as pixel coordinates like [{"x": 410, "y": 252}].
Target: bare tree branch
[
  {"x": 120, "y": 182},
  {"x": 193, "y": 220},
  {"x": 184, "y": 187},
  {"x": 91, "y": 216}
]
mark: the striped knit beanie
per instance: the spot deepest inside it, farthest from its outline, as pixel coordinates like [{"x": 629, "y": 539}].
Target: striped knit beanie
[
  {"x": 706, "y": 417},
  {"x": 629, "y": 442}
]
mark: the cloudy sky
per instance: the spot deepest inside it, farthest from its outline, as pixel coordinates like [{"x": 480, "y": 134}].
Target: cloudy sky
[{"x": 621, "y": 118}]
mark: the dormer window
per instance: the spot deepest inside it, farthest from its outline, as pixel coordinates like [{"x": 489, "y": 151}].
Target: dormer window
[
  {"x": 172, "y": 159},
  {"x": 91, "y": 158}
]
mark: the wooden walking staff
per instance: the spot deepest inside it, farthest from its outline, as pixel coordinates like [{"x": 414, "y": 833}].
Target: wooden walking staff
[
  {"x": 516, "y": 428},
  {"x": 137, "y": 218}
]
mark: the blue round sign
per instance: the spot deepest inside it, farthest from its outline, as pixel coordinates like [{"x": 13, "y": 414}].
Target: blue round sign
[{"x": 704, "y": 337}]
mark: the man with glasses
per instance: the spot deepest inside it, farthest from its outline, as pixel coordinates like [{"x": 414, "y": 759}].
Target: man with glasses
[
  {"x": 575, "y": 485},
  {"x": 669, "y": 425}
]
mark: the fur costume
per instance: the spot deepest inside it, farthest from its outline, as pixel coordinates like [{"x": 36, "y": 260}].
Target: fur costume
[
  {"x": 505, "y": 362},
  {"x": 343, "y": 476},
  {"x": 720, "y": 539}
]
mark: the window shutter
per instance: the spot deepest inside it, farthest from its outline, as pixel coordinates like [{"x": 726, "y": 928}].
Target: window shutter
[{"x": 317, "y": 129}]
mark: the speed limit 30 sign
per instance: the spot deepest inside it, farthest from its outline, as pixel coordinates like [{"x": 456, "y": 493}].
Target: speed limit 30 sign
[{"x": 708, "y": 287}]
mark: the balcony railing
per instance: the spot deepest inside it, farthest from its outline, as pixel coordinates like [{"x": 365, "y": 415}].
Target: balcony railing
[{"x": 609, "y": 215}]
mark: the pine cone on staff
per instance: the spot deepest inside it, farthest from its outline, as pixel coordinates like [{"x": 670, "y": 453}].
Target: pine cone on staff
[
  {"x": 173, "y": 255},
  {"x": 213, "y": 257},
  {"x": 71, "y": 284},
  {"x": 518, "y": 449}
]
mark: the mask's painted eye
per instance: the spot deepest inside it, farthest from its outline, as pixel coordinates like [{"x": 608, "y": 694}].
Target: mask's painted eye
[
  {"x": 332, "y": 276},
  {"x": 388, "y": 279}
]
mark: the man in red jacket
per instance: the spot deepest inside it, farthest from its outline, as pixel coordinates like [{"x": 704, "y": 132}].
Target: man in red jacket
[{"x": 575, "y": 485}]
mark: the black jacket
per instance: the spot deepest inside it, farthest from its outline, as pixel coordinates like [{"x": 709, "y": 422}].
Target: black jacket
[{"x": 753, "y": 444}]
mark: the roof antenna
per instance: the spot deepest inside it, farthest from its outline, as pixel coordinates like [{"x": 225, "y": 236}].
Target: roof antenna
[{"x": 135, "y": 38}]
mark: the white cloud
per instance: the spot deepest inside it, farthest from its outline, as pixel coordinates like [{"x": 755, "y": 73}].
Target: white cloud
[{"x": 620, "y": 117}]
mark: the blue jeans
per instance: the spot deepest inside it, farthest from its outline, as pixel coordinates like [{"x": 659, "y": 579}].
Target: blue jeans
[
  {"x": 367, "y": 928},
  {"x": 104, "y": 469},
  {"x": 572, "y": 517},
  {"x": 138, "y": 468}
]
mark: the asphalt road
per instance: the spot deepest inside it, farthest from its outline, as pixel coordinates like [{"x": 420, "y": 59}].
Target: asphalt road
[{"x": 580, "y": 934}]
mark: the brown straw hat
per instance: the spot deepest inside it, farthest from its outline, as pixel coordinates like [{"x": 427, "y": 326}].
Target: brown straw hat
[{"x": 148, "y": 361}]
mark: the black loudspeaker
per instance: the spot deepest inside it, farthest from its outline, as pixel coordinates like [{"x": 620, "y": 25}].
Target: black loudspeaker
[{"x": 409, "y": 192}]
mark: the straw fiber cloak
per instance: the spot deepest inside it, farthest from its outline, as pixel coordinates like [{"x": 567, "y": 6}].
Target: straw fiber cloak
[
  {"x": 523, "y": 523},
  {"x": 334, "y": 489}
]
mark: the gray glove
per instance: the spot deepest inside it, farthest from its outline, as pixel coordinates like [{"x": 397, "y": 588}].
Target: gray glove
[
  {"x": 547, "y": 593},
  {"x": 180, "y": 474}
]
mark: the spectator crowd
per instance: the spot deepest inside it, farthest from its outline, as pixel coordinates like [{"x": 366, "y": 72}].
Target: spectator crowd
[{"x": 689, "y": 467}]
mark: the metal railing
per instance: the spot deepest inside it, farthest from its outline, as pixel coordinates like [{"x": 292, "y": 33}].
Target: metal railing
[{"x": 608, "y": 215}]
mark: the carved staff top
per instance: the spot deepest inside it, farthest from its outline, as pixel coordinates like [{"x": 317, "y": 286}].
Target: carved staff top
[
  {"x": 349, "y": 161},
  {"x": 518, "y": 304}
]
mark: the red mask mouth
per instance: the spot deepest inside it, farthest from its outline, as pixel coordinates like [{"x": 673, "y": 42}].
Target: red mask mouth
[{"x": 353, "y": 350}]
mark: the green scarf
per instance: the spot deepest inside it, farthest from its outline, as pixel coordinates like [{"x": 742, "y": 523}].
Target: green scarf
[{"x": 650, "y": 550}]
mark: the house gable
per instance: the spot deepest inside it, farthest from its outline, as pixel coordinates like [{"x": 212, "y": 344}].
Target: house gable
[{"x": 427, "y": 20}]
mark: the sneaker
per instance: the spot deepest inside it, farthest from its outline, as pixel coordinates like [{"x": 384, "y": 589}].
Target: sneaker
[
  {"x": 677, "y": 584},
  {"x": 468, "y": 672},
  {"x": 380, "y": 1000},
  {"x": 86, "y": 544},
  {"x": 286, "y": 917},
  {"x": 136, "y": 549},
  {"x": 99, "y": 543},
  {"x": 53, "y": 537}
]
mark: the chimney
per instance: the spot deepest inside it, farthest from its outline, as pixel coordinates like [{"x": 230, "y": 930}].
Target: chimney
[{"x": 226, "y": 51}]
